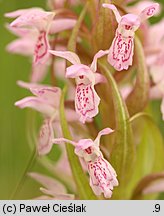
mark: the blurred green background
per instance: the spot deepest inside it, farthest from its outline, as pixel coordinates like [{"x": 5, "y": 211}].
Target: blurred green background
[{"x": 14, "y": 148}]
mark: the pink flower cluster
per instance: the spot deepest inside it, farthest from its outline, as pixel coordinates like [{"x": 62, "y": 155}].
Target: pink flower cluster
[{"x": 35, "y": 28}]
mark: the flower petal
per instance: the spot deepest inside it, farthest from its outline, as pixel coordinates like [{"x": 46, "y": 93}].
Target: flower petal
[
  {"x": 99, "y": 54},
  {"x": 126, "y": 90},
  {"x": 59, "y": 25},
  {"x": 48, "y": 182},
  {"x": 114, "y": 9},
  {"x": 102, "y": 177},
  {"x": 46, "y": 135},
  {"x": 156, "y": 187},
  {"x": 83, "y": 144},
  {"x": 43, "y": 197},
  {"x": 58, "y": 196},
  {"x": 87, "y": 150},
  {"x": 70, "y": 56},
  {"x": 105, "y": 131},
  {"x": 80, "y": 72},
  {"x": 28, "y": 86},
  {"x": 155, "y": 92},
  {"x": 86, "y": 102},
  {"x": 61, "y": 140},
  {"x": 71, "y": 115},
  {"x": 37, "y": 104},
  {"x": 130, "y": 23},
  {"x": 153, "y": 41},
  {"x": 156, "y": 71},
  {"x": 21, "y": 32},
  {"x": 57, "y": 4},
  {"x": 121, "y": 52},
  {"x": 41, "y": 54},
  {"x": 149, "y": 11},
  {"x": 34, "y": 18},
  {"x": 22, "y": 46},
  {"x": 20, "y": 12},
  {"x": 99, "y": 78},
  {"x": 39, "y": 72},
  {"x": 49, "y": 95}
]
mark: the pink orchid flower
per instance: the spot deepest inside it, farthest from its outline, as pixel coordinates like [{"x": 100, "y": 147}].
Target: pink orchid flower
[
  {"x": 122, "y": 49},
  {"x": 102, "y": 175},
  {"x": 86, "y": 98},
  {"x": 33, "y": 41},
  {"x": 36, "y": 19},
  {"x": 52, "y": 188},
  {"x": 46, "y": 100}
]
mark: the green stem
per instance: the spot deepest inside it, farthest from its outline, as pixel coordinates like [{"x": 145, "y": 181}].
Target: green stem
[
  {"x": 122, "y": 155},
  {"x": 84, "y": 190},
  {"x": 73, "y": 38}
]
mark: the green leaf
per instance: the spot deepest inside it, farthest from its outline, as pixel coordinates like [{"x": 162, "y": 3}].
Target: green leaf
[
  {"x": 150, "y": 148},
  {"x": 73, "y": 38},
  {"x": 82, "y": 182},
  {"x": 123, "y": 153},
  {"x": 140, "y": 92}
]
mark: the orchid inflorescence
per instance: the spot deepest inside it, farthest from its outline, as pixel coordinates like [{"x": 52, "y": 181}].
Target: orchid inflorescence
[{"x": 91, "y": 72}]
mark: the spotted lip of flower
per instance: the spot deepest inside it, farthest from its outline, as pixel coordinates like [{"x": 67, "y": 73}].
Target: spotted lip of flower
[
  {"x": 86, "y": 98},
  {"x": 122, "y": 49},
  {"x": 102, "y": 177},
  {"x": 41, "y": 20}
]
